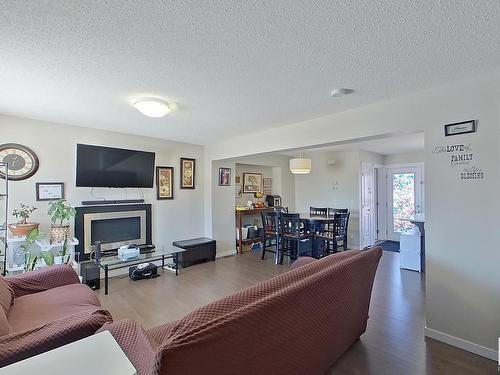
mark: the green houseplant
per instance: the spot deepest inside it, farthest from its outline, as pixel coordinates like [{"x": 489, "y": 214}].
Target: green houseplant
[
  {"x": 22, "y": 255},
  {"x": 60, "y": 212},
  {"x": 23, "y": 227}
]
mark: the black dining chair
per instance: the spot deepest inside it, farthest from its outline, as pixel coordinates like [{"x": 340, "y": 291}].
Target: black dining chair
[
  {"x": 271, "y": 221},
  {"x": 332, "y": 234},
  {"x": 332, "y": 211},
  {"x": 296, "y": 237},
  {"x": 341, "y": 227},
  {"x": 319, "y": 211}
]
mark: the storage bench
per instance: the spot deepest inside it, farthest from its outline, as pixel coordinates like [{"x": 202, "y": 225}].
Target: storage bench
[{"x": 197, "y": 250}]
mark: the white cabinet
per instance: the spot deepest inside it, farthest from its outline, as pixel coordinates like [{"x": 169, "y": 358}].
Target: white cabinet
[{"x": 410, "y": 250}]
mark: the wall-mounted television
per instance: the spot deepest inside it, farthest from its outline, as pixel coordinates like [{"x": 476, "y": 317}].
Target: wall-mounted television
[{"x": 98, "y": 166}]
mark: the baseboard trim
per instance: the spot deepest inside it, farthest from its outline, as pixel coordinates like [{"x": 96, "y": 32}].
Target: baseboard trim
[
  {"x": 462, "y": 344},
  {"x": 225, "y": 253}
]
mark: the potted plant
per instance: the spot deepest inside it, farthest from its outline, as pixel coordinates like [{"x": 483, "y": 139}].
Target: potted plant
[
  {"x": 22, "y": 254},
  {"x": 23, "y": 227},
  {"x": 60, "y": 212}
]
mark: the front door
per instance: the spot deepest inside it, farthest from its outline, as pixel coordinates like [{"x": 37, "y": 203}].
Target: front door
[
  {"x": 367, "y": 233},
  {"x": 404, "y": 199}
]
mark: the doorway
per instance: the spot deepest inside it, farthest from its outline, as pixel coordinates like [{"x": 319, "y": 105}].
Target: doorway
[{"x": 402, "y": 192}]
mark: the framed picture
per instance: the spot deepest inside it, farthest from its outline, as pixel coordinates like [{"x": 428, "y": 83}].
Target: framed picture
[
  {"x": 224, "y": 176},
  {"x": 49, "y": 191},
  {"x": 463, "y": 127},
  {"x": 164, "y": 182},
  {"x": 237, "y": 180},
  {"x": 187, "y": 173},
  {"x": 252, "y": 183}
]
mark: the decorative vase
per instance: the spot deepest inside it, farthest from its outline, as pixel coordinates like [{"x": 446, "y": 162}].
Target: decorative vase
[
  {"x": 58, "y": 233},
  {"x": 19, "y": 230}
]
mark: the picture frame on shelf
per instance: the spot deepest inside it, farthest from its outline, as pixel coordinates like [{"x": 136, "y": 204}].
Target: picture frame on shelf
[
  {"x": 224, "y": 176},
  {"x": 252, "y": 183},
  {"x": 164, "y": 182},
  {"x": 49, "y": 191},
  {"x": 188, "y": 171}
]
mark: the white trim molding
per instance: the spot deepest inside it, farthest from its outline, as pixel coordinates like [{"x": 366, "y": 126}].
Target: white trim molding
[
  {"x": 225, "y": 253},
  {"x": 462, "y": 344}
]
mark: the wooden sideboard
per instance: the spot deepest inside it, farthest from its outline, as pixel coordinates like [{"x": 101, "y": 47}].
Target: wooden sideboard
[{"x": 239, "y": 226}]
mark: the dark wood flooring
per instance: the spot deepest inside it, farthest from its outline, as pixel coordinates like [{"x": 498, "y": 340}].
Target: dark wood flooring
[{"x": 393, "y": 344}]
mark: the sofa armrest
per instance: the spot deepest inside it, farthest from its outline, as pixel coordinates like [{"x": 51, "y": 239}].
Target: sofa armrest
[
  {"x": 20, "y": 345},
  {"x": 140, "y": 348},
  {"x": 42, "y": 279}
]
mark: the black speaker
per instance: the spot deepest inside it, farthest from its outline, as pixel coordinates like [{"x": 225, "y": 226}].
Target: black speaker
[{"x": 91, "y": 275}]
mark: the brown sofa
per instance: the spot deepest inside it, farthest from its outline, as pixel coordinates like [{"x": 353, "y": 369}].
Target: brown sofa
[
  {"x": 299, "y": 322},
  {"x": 45, "y": 309}
]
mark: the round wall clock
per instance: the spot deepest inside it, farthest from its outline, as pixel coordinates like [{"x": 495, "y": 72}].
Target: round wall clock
[{"x": 22, "y": 163}]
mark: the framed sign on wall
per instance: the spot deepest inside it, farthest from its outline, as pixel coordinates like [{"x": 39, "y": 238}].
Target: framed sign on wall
[{"x": 49, "y": 191}]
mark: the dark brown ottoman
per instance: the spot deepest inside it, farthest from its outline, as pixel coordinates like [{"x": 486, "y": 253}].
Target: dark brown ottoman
[{"x": 197, "y": 250}]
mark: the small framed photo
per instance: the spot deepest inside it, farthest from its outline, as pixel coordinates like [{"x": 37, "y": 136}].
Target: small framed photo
[
  {"x": 224, "y": 176},
  {"x": 457, "y": 128},
  {"x": 252, "y": 183},
  {"x": 187, "y": 173},
  {"x": 237, "y": 180},
  {"x": 164, "y": 182},
  {"x": 49, "y": 191}
]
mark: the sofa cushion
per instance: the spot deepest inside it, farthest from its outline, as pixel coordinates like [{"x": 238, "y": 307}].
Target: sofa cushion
[
  {"x": 34, "y": 310},
  {"x": 6, "y": 295},
  {"x": 4, "y": 325}
]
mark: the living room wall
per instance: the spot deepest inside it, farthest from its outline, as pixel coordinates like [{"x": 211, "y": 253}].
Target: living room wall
[
  {"x": 462, "y": 278},
  {"x": 55, "y": 146}
]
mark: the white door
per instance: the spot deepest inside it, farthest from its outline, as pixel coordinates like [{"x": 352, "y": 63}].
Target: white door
[
  {"x": 367, "y": 232},
  {"x": 404, "y": 199}
]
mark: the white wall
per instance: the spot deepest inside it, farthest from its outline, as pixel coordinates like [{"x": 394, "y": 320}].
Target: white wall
[
  {"x": 55, "y": 146},
  {"x": 462, "y": 278},
  {"x": 407, "y": 157},
  {"x": 316, "y": 188}
]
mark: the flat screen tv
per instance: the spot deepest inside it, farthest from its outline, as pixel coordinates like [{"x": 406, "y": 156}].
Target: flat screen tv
[{"x": 98, "y": 166}]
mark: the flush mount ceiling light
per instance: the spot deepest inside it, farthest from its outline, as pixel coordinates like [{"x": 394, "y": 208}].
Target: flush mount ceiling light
[
  {"x": 300, "y": 165},
  {"x": 337, "y": 93},
  {"x": 152, "y": 107}
]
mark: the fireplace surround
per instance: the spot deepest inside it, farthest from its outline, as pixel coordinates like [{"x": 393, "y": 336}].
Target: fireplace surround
[{"x": 113, "y": 226}]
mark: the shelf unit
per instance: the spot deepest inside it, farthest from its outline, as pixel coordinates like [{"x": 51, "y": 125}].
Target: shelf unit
[
  {"x": 239, "y": 226},
  {"x": 4, "y": 214}
]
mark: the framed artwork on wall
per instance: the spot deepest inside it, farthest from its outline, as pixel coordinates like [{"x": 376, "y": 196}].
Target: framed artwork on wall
[
  {"x": 164, "y": 182},
  {"x": 188, "y": 167},
  {"x": 252, "y": 183},
  {"x": 224, "y": 176},
  {"x": 457, "y": 128},
  {"x": 49, "y": 191}
]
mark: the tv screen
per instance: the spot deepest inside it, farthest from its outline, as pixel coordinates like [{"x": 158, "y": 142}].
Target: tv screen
[{"x": 98, "y": 166}]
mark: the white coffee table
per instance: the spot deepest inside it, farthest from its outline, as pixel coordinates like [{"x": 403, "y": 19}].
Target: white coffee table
[{"x": 96, "y": 354}]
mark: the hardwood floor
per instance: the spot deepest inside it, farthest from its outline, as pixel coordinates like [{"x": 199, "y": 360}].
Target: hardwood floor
[{"x": 394, "y": 342}]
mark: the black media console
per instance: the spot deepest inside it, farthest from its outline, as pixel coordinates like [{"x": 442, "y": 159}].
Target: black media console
[{"x": 197, "y": 250}]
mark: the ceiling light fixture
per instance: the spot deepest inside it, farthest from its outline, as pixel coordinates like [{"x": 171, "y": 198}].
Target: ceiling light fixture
[
  {"x": 300, "y": 165},
  {"x": 337, "y": 93},
  {"x": 152, "y": 107}
]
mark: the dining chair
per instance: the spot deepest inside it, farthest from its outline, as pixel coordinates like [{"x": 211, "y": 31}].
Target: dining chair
[
  {"x": 324, "y": 237},
  {"x": 271, "y": 221},
  {"x": 320, "y": 211},
  {"x": 332, "y": 211},
  {"x": 341, "y": 228},
  {"x": 296, "y": 235}
]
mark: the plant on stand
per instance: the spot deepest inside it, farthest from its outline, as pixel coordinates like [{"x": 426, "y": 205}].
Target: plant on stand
[
  {"x": 61, "y": 212},
  {"x": 23, "y": 227},
  {"x": 24, "y": 255}
]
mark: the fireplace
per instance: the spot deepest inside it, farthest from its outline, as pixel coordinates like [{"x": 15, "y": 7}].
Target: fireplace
[{"x": 113, "y": 226}]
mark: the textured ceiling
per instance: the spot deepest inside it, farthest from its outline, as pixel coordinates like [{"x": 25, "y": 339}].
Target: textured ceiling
[
  {"x": 231, "y": 66},
  {"x": 399, "y": 144}
]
